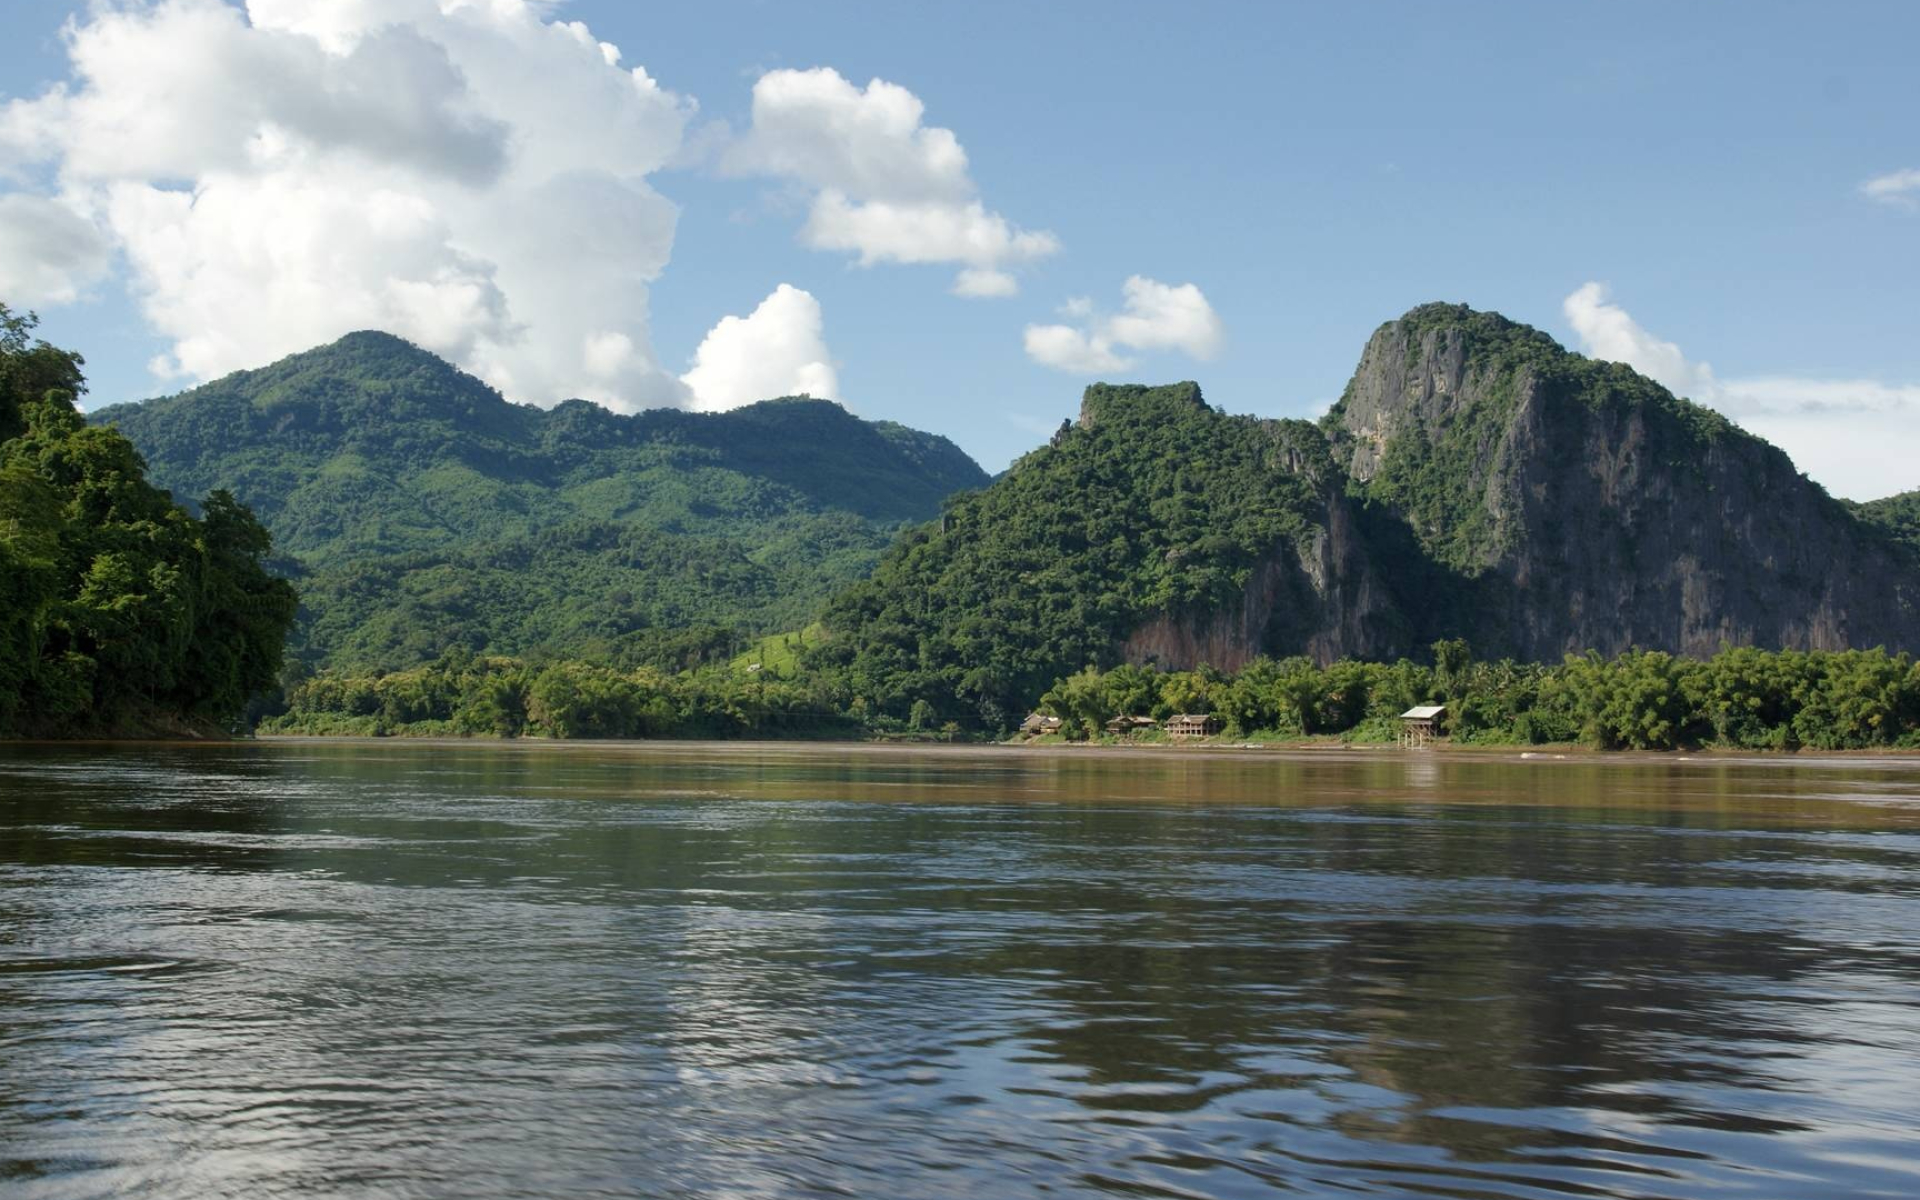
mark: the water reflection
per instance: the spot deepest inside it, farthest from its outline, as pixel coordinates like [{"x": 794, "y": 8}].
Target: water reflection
[{"x": 350, "y": 969}]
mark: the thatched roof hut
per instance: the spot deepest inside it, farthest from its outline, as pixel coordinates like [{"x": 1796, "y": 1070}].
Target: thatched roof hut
[{"x": 1190, "y": 725}]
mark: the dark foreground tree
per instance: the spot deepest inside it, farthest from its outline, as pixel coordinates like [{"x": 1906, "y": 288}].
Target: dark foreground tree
[{"x": 120, "y": 612}]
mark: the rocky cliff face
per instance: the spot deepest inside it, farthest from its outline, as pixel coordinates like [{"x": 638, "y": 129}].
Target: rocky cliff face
[
  {"x": 1319, "y": 595},
  {"x": 1316, "y": 592},
  {"x": 1565, "y": 504},
  {"x": 1476, "y": 480}
]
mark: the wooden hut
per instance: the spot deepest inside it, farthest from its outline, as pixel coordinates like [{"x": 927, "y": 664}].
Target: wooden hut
[
  {"x": 1193, "y": 725},
  {"x": 1420, "y": 725},
  {"x": 1128, "y": 726},
  {"x": 1040, "y": 723}
]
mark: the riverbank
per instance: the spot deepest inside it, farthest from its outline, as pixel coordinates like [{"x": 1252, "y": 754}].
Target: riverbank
[
  {"x": 1303, "y": 751},
  {"x": 1197, "y": 748}
]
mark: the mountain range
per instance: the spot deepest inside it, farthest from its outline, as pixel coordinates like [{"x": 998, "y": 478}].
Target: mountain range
[
  {"x": 1474, "y": 480},
  {"x": 417, "y": 510}
]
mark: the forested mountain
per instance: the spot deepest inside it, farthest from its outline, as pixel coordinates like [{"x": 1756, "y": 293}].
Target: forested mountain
[
  {"x": 120, "y": 612},
  {"x": 421, "y": 511},
  {"x": 1898, "y": 515},
  {"x": 1155, "y": 528},
  {"x": 1475, "y": 480},
  {"x": 1566, "y": 504}
]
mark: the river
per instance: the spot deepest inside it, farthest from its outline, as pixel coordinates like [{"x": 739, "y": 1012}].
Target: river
[{"x": 382, "y": 969}]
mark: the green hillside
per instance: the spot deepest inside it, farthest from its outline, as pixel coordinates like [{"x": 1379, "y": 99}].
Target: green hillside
[
  {"x": 1154, "y": 504},
  {"x": 1476, "y": 480},
  {"x": 1897, "y": 515},
  {"x": 420, "y": 511}
]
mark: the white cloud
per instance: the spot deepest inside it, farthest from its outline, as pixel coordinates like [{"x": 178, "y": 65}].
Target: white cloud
[
  {"x": 1156, "y": 316},
  {"x": 1160, "y": 316},
  {"x": 1859, "y": 438},
  {"x": 48, "y": 252},
  {"x": 1068, "y": 349},
  {"x": 779, "y": 349},
  {"x": 979, "y": 281},
  {"x": 469, "y": 175},
  {"x": 1606, "y": 331},
  {"x": 883, "y": 184},
  {"x": 882, "y": 231},
  {"x": 1900, "y": 188},
  {"x": 816, "y": 127}
]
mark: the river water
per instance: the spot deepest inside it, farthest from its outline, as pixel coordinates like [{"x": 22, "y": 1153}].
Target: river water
[{"x": 369, "y": 969}]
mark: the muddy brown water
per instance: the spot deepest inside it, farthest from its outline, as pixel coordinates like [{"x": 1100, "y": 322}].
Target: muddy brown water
[{"x": 381, "y": 969}]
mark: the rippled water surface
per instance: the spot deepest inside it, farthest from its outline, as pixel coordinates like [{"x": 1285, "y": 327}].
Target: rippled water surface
[{"x": 414, "y": 970}]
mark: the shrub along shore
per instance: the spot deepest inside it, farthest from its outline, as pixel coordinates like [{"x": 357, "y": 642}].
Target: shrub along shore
[{"x": 1741, "y": 698}]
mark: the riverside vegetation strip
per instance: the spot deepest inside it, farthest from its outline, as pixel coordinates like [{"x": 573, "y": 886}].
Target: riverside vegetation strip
[
  {"x": 472, "y": 566},
  {"x": 1740, "y": 698}
]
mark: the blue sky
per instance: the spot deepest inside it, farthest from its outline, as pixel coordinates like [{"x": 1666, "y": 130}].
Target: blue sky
[{"x": 1311, "y": 170}]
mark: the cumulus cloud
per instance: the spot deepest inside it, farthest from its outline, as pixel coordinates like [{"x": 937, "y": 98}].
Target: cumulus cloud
[
  {"x": 977, "y": 281},
  {"x": 1858, "y": 437},
  {"x": 1068, "y": 349},
  {"x": 1901, "y": 188},
  {"x": 1154, "y": 316},
  {"x": 49, "y": 254},
  {"x": 471, "y": 176},
  {"x": 779, "y": 349},
  {"x": 1607, "y": 331},
  {"x": 883, "y": 185}
]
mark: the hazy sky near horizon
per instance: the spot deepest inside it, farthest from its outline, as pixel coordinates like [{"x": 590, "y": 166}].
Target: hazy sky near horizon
[{"x": 957, "y": 216}]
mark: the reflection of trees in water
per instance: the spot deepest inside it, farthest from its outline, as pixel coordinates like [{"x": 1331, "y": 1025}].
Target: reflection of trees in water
[
  {"x": 1348, "y": 942},
  {"x": 1503, "y": 962},
  {"x": 119, "y": 806}
]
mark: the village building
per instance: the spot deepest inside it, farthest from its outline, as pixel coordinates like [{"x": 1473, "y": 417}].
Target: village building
[
  {"x": 1420, "y": 725},
  {"x": 1040, "y": 723},
  {"x": 1128, "y": 726},
  {"x": 1192, "y": 725}
]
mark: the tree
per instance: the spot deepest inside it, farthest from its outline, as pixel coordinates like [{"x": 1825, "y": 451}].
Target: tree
[
  {"x": 118, "y": 608},
  {"x": 30, "y": 369}
]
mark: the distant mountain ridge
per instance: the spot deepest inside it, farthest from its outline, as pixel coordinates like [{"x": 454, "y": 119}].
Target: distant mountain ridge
[
  {"x": 1474, "y": 480},
  {"x": 1898, "y": 515},
  {"x": 423, "y": 510},
  {"x": 1574, "y": 504}
]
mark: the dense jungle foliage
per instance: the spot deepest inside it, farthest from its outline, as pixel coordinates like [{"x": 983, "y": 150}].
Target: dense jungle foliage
[
  {"x": 1154, "y": 503},
  {"x": 470, "y": 566},
  {"x": 1898, "y": 515},
  {"x": 1156, "y": 510},
  {"x": 1740, "y": 698},
  {"x": 464, "y": 694},
  {"x": 418, "y": 510},
  {"x": 120, "y": 612}
]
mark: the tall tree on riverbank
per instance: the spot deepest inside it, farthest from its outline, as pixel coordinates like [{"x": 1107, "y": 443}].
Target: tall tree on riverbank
[{"x": 120, "y": 611}]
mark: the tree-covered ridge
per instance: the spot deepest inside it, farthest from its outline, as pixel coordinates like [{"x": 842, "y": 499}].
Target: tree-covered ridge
[
  {"x": 1898, "y": 515},
  {"x": 120, "y": 612},
  {"x": 597, "y": 590},
  {"x": 423, "y": 511},
  {"x": 1475, "y": 480},
  {"x": 371, "y": 443},
  {"x": 1154, "y": 503}
]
